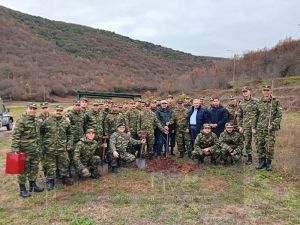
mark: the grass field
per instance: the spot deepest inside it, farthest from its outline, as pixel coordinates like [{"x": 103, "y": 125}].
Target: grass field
[{"x": 209, "y": 195}]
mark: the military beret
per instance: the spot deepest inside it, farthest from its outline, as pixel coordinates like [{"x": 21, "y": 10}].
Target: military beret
[
  {"x": 90, "y": 131},
  {"x": 163, "y": 102},
  {"x": 229, "y": 125},
  {"x": 32, "y": 105},
  {"x": 119, "y": 124},
  {"x": 206, "y": 125},
  {"x": 76, "y": 102},
  {"x": 266, "y": 87},
  {"x": 170, "y": 96},
  {"x": 44, "y": 105},
  {"x": 59, "y": 107}
]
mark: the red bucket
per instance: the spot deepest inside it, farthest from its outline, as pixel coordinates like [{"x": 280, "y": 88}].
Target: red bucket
[{"x": 15, "y": 162}]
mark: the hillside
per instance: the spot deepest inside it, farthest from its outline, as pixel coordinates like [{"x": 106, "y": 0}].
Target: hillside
[{"x": 43, "y": 57}]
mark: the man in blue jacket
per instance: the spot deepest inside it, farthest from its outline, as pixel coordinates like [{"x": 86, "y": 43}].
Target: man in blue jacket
[
  {"x": 163, "y": 114},
  {"x": 197, "y": 116},
  {"x": 218, "y": 116}
]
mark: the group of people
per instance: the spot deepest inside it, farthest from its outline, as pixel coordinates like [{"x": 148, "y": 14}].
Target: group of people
[{"x": 78, "y": 140}]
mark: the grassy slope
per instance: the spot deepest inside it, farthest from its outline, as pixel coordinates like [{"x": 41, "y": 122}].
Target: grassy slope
[{"x": 212, "y": 195}]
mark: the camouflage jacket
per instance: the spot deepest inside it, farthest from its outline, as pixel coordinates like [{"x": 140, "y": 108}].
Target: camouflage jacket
[
  {"x": 205, "y": 140},
  {"x": 148, "y": 122},
  {"x": 180, "y": 119},
  {"x": 231, "y": 111},
  {"x": 42, "y": 117},
  {"x": 132, "y": 120},
  {"x": 247, "y": 113},
  {"x": 26, "y": 135},
  {"x": 83, "y": 114},
  {"x": 119, "y": 142},
  {"x": 232, "y": 140},
  {"x": 94, "y": 120},
  {"x": 111, "y": 121},
  {"x": 76, "y": 122},
  {"x": 84, "y": 152},
  {"x": 263, "y": 114},
  {"x": 56, "y": 134}
]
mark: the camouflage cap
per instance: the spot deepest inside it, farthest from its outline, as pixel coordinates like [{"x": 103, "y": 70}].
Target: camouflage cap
[
  {"x": 179, "y": 101},
  {"x": 76, "y": 102},
  {"x": 163, "y": 102},
  {"x": 32, "y": 105},
  {"x": 153, "y": 101},
  {"x": 206, "y": 125},
  {"x": 97, "y": 102},
  {"x": 266, "y": 87},
  {"x": 84, "y": 99},
  {"x": 170, "y": 96},
  {"x": 147, "y": 104},
  {"x": 59, "y": 107},
  {"x": 229, "y": 125},
  {"x": 246, "y": 88},
  {"x": 187, "y": 97},
  {"x": 202, "y": 98},
  {"x": 138, "y": 100},
  {"x": 231, "y": 97},
  {"x": 119, "y": 124},
  {"x": 44, "y": 105},
  {"x": 90, "y": 131}
]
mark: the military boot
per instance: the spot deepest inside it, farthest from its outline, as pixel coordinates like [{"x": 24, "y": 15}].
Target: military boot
[
  {"x": 249, "y": 160},
  {"x": 67, "y": 181},
  {"x": 23, "y": 192},
  {"x": 50, "y": 184},
  {"x": 201, "y": 159},
  {"x": 94, "y": 175},
  {"x": 261, "y": 164},
  {"x": 34, "y": 188},
  {"x": 213, "y": 160},
  {"x": 189, "y": 154},
  {"x": 269, "y": 165},
  {"x": 181, "y": 154},
  {"x": 172, "y": 151},
  {"x": 115, "y": 169}
]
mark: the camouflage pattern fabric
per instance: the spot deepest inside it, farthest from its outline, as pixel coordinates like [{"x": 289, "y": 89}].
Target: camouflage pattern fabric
[
  {"x": 95, "y": 121},
  {"x": 230, "y": 142},
  {"x": 203, "y": 141},
  {"x": 111, "y": 121}
]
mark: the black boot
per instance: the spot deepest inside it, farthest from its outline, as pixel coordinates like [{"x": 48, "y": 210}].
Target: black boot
[
  {"x": 201, "y": 159},
  {"x": 34, "y": 188},
  {"x": 181, "y": 154},
  {"x": 249, "y": 160},
  {"x": 50, "y": 184},
  {"x": 23, "y": 192},
  {"x": 94, "y": 175},
  {"x": 269, "y": 165},
  {"x": 150, "y": 156},
  {"x": 67, "y": 181},
  {"x": 213, "y": 160},
  {"x": 261, "y": 164},
  {"x": 190, "y": 154},
  {"x": 115, "y": 169},
  {"x": 172, "y": 151}
]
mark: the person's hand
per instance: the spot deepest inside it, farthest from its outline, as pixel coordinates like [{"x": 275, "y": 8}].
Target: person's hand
[
  {"x": 167, "y": 123},
  {"x": 104, "y": 145},
  {"x": 187, "y": 130},
  {"x": 115, "y": 154},
  {"x": 166, "y": 131},
  {"x": 241, "y": 130},
  {"x": 85, "y": 172},
  {"x": 166, "y": 127},
  {"x": 253, "y": 131},
  {"x": 143, "y": 141},
  {"x": 129, "y": 133},
  {"x": 233, "y": 152},
  {"x": 270, "y": 127}
]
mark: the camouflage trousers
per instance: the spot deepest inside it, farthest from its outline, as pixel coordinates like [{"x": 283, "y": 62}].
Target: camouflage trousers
[
  {"x": 248, "y": 137},
  {"x": 125, "y": 157},
  {"x": 150, "y": 142},
  {"x": 133, "y": 148},
  {"x": 92, "y": 164},
  {"x": 183, "y": 141},
  {"x": 265, "y": 144},
  {"x": 52, "y": 162},
  {"x": 226, "y": 152},
  {"x": 215, "y": 151},
  {"x": 31, "y": 169}
]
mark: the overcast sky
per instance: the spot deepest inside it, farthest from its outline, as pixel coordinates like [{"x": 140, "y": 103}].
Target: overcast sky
[{"x": 201, "y": 27}]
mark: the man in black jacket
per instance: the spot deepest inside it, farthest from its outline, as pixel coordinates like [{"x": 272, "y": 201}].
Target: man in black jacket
[
  {"x": 197, "y": 116},
  {"x": 163, "y": 114},
  {"x": 218, "y": 116}
]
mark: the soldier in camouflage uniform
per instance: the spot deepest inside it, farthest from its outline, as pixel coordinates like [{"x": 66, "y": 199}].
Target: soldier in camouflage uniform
[
  {"x": 231, "y": 143},
  {"x": 85, "y": 158},
  {"x": 188, "y": 103},
  {"x": 77, "y": 123},
  {"x": 269, "y": 115},
  {"x": 246, "y": 121},
  {"x": 232, "y": 109},
  {"x": 172, "y": 107},
  {"x": 111, "y": 120},
  {"x": 206, "y": 144},
  {"x": 56, "y": 133},
  {"x": 180, "y": 120},
  {"x": 26, "y": 138},
  {"x": 147, "y": 124},
  {"x": 118, "y": 144},
  {"x": 94, "y": 120},
  {"x": 153, "y": 105}
]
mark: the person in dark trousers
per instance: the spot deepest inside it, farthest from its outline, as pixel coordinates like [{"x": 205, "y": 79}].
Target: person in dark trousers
[
  {"x": 163, "y": 114},
  {"x": 218, "y": 116},
  {"x": 197, "y": 116}
]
